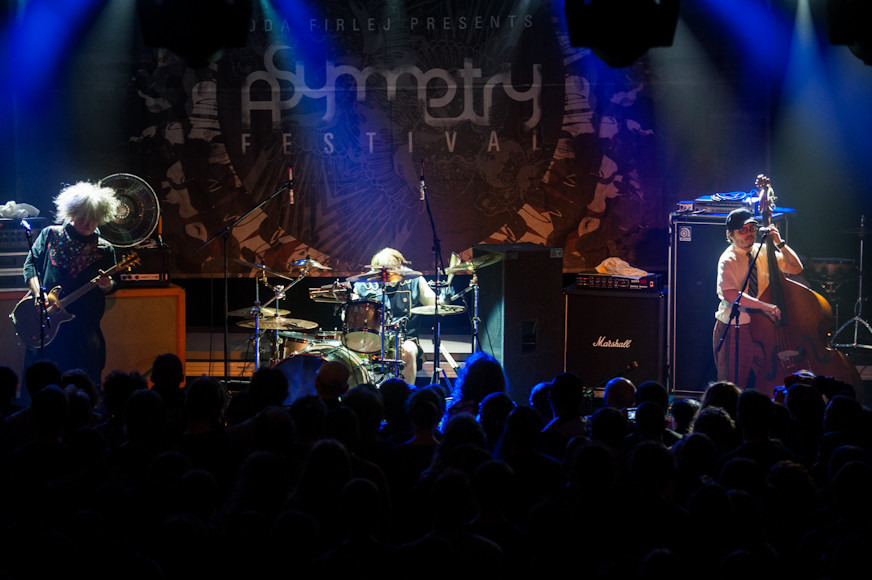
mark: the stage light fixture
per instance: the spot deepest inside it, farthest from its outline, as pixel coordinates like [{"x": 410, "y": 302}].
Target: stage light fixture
[
  {"x": 849, "y": 23},
  {"x": 196, "y": 30},
  {"x": 620, "y": 31}
]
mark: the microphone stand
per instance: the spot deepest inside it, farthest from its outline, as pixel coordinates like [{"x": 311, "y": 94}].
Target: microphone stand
[
  {"x": 438, "y": 265},
  {"x": 224, "y": 234},
  {"x": 44, "y": 319},
  {"x": 734, "y": 315}
]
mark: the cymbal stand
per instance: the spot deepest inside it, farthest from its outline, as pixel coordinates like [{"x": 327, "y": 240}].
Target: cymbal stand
[
  {"x": 384, "y": 320},
  {"x": 476, "y": 319},
  {"x": 857, "y": 321},
  {"x": 255, "y": 310},
  {"x": 279, "y": 292}
]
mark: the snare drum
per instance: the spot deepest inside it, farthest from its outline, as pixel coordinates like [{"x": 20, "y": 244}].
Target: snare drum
[
  {"x": 333, "y": 337},
  {"x": 363, "y": 326},
  {"x": 301, "y": 369}
]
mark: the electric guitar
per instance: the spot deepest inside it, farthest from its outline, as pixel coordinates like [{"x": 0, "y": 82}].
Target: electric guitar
[{"x": 26, "y": 316}]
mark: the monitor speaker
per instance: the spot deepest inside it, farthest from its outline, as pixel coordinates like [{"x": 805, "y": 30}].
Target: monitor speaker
[{"x": 522, "y": 313}]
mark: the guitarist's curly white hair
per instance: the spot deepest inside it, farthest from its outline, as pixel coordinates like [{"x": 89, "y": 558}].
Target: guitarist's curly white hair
[{"x": 86, "y": 201}]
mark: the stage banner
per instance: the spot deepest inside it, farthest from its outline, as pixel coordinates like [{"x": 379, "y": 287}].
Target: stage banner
[{"x": 516, "y": 136}]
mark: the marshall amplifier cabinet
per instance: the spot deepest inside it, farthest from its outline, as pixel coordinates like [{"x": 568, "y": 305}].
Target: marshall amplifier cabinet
[{"x": 613, "y": 333}]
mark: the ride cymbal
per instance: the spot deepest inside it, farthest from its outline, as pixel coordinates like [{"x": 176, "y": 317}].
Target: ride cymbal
[
  {"x": 249, "y": 312},
  {"x": 279, "y": 323}
]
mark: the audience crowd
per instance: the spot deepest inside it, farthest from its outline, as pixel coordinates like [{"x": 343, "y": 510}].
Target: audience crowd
[{"x": 168, "y": 479}]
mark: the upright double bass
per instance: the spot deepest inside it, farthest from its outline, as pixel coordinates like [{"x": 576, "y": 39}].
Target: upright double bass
[{"x": 800, "y": 338}]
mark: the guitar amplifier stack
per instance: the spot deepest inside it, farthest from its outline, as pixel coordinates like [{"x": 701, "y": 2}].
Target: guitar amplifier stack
[{"x": 14, "y": 248}]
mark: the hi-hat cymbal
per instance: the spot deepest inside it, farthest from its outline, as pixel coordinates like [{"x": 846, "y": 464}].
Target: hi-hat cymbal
[
  {"x": 384, "y": 274},
  {"x": 474, "y": 264},
  {"x": 309, "y": 263},
  {"x": 442, "y": 309},
  {"x": 249, "y": 312},
  {"x": 279, "y": 323},
  {"x": 264, "y": 268}
]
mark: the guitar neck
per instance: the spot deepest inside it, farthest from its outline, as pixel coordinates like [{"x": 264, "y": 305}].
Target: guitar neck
[
  {"x": 73, "y": 296},
  {"x": 76, "y": 294}
]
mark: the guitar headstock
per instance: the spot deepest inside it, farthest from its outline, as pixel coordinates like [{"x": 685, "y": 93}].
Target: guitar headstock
[
  {"x": 767, "y": 198},
  {"x": 128, "y": 262}
]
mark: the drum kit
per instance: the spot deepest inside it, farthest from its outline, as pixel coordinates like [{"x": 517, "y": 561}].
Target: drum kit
[{"x": 299, "y": 347}]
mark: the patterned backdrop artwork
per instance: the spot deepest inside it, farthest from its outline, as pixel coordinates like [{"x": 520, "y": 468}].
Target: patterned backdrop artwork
[{"x": 519, "y": 138}]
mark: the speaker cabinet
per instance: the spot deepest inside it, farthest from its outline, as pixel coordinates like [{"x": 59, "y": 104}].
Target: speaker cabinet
[
  {"x": 11, "y": 350},
  {"x": 140, "y": 324},
  {"x": 613, "y": 333},
  {"x": 696, "y": 241},
  {"x": 521, "y": 311}
]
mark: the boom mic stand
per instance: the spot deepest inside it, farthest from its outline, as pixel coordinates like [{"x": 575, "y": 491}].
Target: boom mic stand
[{"x": 224, "y": 234}]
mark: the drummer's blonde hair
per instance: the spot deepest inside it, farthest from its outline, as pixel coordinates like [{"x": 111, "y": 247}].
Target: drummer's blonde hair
[
  {"x": 389, "y": 257},
  {"x": 86, "y": 201}
]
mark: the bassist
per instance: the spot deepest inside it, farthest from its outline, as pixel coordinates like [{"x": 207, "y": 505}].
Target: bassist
[
  {"x": 70, "y": 256},
  {"x": 742, "y": 233}
]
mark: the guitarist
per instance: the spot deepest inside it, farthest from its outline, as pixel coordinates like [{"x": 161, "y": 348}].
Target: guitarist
[
  {"x": 742, "y": 231},
  {"x": 71, "y": 255}
]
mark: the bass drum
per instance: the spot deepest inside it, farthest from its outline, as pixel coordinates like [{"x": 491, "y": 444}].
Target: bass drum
[{"x": 301, "y": 369}]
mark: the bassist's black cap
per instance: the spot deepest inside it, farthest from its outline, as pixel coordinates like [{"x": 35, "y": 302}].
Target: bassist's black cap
[{"x": 739, "y": 217}]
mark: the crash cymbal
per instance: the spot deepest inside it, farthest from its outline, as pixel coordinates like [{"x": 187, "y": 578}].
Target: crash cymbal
[
  {"x": 474, "y": 264},
  {"x": 249, "y": 312},
  {"x": 443, "y": 309},
  {"x": 309, "y": 263},
  {"x": 264, "y": 269},
  {"x": 279, "y": 323},
  {"x": 384, "y": 274}
]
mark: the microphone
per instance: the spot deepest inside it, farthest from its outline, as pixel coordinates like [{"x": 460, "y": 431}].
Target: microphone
[
  {"x": 423, "y": 187},
  {"x": 26, "y": 225},
  {"x": 291, "y": 184}
]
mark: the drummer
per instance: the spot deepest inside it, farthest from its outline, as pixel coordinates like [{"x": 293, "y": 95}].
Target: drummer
[{"x": 403, "y": 296}]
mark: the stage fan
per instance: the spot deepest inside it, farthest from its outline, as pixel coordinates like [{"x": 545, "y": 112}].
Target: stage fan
[{"x": 138, "y": 210}]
